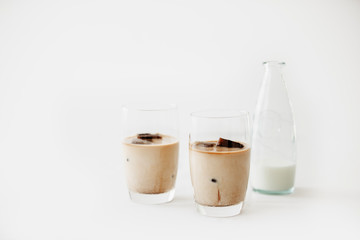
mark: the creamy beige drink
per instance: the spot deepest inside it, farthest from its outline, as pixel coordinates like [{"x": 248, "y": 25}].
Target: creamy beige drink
[
  {"x": 219, "y": 173},
  {"x": 151, "y": 162}
]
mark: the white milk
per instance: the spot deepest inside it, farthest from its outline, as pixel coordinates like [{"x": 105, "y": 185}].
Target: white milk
[{"x": 273, "y": 175}]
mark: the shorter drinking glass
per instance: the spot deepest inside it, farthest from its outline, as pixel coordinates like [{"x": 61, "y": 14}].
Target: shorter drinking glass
[
  {"x": 150, "y": 150},
  {"x": 219, "y": 160}
]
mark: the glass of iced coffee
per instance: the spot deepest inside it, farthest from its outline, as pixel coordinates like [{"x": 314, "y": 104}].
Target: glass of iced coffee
[
  {"x": 219, "y": 160},
  {"x": 150, "y": 150}
]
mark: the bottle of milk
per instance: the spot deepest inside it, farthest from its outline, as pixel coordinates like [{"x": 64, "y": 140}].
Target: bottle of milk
[{"x": 274, "y": 142}]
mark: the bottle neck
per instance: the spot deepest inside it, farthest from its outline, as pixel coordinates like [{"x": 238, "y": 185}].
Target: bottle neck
[{"x": 273, "y": 71}]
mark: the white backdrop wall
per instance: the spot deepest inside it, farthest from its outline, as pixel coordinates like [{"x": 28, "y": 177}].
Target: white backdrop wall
[{"x": 66, "y": 67}]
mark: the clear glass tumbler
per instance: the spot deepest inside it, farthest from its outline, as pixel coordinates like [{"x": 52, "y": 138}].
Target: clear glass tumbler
[
  {"x": 219, "y": 160},
  {"x": 150, "y": 150}
]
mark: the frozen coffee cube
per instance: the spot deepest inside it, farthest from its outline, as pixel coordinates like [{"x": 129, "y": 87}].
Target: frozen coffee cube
[
  {"x": 140, "y": 141},
  {"x": 222, "y": 142},
  {"x": 206, "y": 144},
  {"x": 149, "y": 136}
]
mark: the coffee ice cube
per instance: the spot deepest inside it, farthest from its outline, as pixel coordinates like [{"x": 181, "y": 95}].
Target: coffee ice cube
[
  {"x": 206, "y": 144},
  {"x": 149, "y": 136},
  {"x": 222, "y": 142},
  {"x": 140, "y": 141}
]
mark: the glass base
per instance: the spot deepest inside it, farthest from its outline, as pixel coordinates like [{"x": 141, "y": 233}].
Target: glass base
[
  {"x": 152, "y": 198},
  {"x": 227, "y": 211},
  {"x": 284, "y": 192}
]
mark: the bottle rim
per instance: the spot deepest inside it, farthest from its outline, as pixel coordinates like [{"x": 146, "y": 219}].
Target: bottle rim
[{"x": 274, "y": 63}]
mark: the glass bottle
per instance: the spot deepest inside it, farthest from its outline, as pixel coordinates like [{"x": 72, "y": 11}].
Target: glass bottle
[{"x": 274, "y": 141}]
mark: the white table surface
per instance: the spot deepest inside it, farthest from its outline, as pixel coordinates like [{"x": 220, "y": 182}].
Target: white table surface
[{"x": 95, "y": 205}]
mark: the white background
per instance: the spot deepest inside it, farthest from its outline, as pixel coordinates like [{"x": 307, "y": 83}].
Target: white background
[{"x": 66, "y": 67}]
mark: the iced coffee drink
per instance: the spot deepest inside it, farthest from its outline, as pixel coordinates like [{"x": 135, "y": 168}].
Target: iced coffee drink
[
  {"x": 219, "y": 172},
  {"x": 150, "y": 150},
  {"x": 219, "y": 153},
  {"x": 151, "y": 162}
]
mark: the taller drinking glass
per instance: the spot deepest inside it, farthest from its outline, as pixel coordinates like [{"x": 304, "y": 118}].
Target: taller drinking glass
[
  {"x": 150, "y": 150},
  {"x": 273, "y": 146},
  {"x": 219, "y": 161}
]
